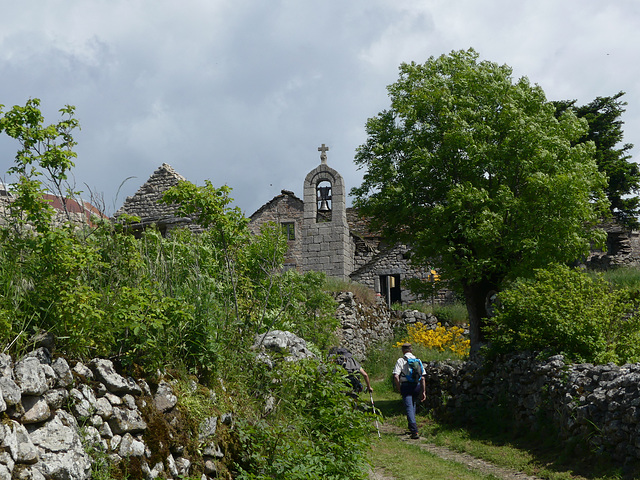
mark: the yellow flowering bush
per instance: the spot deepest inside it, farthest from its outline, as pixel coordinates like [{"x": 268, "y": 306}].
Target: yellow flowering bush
[{"x": 440, "y": 338}]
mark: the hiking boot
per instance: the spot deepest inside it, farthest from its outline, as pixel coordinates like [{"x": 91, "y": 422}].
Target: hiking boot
[{"x": 415, "y": 436}]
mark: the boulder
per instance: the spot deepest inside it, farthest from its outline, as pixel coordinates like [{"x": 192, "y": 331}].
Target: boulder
[{"x": 279, "y": 341}]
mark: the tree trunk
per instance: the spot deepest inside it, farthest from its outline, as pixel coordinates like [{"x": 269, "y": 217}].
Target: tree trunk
[{"x": 475, "y": 295}]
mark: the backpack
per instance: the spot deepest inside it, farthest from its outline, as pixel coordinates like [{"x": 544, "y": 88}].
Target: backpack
[
  {"x": 414, "y": 370},
  {"x": 344, "y": 358}
]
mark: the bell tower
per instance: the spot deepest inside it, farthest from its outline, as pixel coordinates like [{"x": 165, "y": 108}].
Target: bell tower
[{"x": 326, "y": 243}]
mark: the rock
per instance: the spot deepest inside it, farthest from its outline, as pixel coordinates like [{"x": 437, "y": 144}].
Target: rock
[
  {"x": 126, "y": 421},
  {"x": 61, "y": 451},
  {"x": 6, "y": 366},
  {"x": 210, "y": 467},
  {"x": 82, "y": 370},
  {"x": 104, "y": 408},
  {"x": 283, "y": 342},
  {"x": 113, "y": 399},
  {"x": 129, "y": 401},
  {"x": 208, "y": 428},
  {"x": 36, "y": 410},
  {"x": 27, "y": 472},
  {"x": 26, "y": 451},
  {"x": 30, "y": 376},
  {"x": 116, "y": 383},
  {"x": 63, "y": 372},
  {"x": 42, "y": 354},
  {"x": 45, "y": 340},
  {"x": 212, "y": 450},
  {"x": 10, "y": 391},
  {"x": 56, "y": 398},
  {"x": 5, "y": 472},
  {"x": 183, "y": 465},
  {"x": 80, "y": 406},
  {"x": 172, "y": 468},
  {"x": 226, "y": 419},
  {"x": 164, "y": 399},
  {"x": 130, "y": 447},
  {"x": 105, "y": 431}
]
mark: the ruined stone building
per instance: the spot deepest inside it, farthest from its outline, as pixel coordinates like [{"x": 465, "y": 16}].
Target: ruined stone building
[{"x": 322, "y": 233}]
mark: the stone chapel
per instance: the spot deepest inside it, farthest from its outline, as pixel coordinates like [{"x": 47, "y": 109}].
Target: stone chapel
[{"x": 322, "y": 233}]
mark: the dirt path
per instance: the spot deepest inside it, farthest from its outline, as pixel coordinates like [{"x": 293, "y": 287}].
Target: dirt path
[{"x": 471, "y": 462}]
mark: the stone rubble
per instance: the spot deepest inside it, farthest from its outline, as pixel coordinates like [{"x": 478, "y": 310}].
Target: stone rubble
[{"x": 52, "y": 415}]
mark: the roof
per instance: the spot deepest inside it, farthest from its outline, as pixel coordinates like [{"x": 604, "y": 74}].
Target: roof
[
  {"x": 145, "y": 203},
  {"x": 283, "y": 194}
]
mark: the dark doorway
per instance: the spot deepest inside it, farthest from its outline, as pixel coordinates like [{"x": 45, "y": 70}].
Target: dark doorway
[{"x": 390, "y": 288}]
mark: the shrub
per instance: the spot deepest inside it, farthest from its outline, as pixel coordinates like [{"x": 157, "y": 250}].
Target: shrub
[
  {"x": 441, "y": 338},
  {"x": 564, "y": 310},
  {"x": 314, "y": 431}
]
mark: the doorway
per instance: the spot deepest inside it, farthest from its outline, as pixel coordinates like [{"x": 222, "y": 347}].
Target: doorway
[{"x": 390, "y": 288}]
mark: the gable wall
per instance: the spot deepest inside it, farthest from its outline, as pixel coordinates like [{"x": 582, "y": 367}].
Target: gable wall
[{"x": 284, "y": 208}]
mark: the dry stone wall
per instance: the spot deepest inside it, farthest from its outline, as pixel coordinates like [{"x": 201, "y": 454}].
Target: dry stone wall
[
  {"x": 52, "y": 415},
  {"x": 362, "y": 326},
  {"x": 598, "y": 404}
]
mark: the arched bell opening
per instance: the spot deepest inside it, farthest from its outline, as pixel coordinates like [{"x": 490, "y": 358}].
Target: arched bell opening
[{"x": 323, "y": 201}]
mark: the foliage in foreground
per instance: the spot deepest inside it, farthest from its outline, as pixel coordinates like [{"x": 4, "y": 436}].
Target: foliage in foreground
[
  {"x": 564, "y": 310},
  {"x": 189, "y": 303},
  {"x": 314, "y": 432}
]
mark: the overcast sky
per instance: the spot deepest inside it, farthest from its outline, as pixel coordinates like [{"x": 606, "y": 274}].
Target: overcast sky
[{"x": 242, "y": 92}]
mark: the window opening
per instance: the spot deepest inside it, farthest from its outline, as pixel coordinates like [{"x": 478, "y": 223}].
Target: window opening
[{"x": 289, "y": 230}]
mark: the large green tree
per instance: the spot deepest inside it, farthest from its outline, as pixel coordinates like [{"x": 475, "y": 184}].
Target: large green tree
[
  {"x": 612, "y": 156},
  {"x": 473, "y": 169}
]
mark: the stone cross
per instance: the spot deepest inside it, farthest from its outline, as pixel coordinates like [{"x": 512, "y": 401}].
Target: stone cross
[{"x": 323, "y": 153}]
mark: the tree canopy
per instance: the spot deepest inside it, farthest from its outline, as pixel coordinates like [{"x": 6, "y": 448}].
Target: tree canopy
[
  {"x": 476, "y": 173},
  {"x": 613, "y": 159}
]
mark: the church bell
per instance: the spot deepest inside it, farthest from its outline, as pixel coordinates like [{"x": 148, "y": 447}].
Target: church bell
[{"x": 324, "y": 199}]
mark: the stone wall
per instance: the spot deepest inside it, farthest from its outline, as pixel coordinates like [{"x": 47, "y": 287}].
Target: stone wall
[
  {"x": 599, "y": 405},
  {"x": 284, "y": 208},
  {"x": 52, "y": 414},
  {"x": 396, "y": 261},
  {"x": 362, "y": 326}
]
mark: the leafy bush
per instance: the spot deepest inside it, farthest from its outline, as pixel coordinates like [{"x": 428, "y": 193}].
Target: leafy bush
[
  {"x": 314, "y": 432},
  {"x": 564, "y": 310}
]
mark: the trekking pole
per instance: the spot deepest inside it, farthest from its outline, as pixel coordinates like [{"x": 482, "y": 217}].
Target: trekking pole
[{"x": 374, "y": 412}]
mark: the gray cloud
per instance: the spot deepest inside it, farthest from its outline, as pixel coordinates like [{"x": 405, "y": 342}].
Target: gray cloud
[{"x": 242, "y": 91}]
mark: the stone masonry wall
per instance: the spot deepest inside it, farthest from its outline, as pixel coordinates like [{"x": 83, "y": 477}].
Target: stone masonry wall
[
  {"x": 52, "y": 414},
  {"x": 598, "y": 404},
  {"x": 286, "y": 207},
  {"x": 394, "y": 261},
  {"x": 362, "y": 326}
]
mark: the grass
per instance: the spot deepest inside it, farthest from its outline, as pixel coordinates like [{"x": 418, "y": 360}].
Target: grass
[
  {"x": 491, "y": 438},
  {"x": 408, "y": 462},
  {"x": 623, "y": 277},
  {"x": 361, "y": 292},
  {"x": 454, "y": 314}
]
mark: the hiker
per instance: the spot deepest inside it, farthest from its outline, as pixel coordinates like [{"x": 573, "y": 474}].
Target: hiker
[
  {"x": 408, "y": 378},
  {"x": 344, "y": 358}
]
